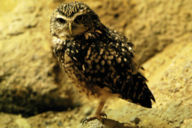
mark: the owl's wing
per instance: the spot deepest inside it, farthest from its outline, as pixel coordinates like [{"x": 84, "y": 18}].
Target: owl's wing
[
  {"x": 112, "y": 66},
  {"x": 109, "y": 65}
]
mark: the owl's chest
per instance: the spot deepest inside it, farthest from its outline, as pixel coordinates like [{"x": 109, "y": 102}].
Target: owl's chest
[
  {"x": 85, "y": 62},
  {"x": 67, "y": 64},
  {"x": 71, "y": 54}
]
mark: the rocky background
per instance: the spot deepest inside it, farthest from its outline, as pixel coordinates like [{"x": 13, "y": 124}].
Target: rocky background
[{"x": 35, "y": 93}]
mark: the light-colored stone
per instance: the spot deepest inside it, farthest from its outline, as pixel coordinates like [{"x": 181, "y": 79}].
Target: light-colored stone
[{"x": 30, "y": 77}]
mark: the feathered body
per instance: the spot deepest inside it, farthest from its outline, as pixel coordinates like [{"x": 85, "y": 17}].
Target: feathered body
[{"x": 97, "y": 57}]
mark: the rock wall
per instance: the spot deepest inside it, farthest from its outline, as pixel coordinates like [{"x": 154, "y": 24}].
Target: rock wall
[{"x": 31, "y": 81}]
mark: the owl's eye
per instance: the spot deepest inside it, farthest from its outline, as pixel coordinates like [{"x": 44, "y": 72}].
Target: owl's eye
[
  {"x": 60, "y": 20},
  {"x": 79, "y": 18}
]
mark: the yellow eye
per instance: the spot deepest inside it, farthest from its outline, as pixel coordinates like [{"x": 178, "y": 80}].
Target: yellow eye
[
  {"x": 79, "y": 18},
  {"x": 60, "y": 20}
]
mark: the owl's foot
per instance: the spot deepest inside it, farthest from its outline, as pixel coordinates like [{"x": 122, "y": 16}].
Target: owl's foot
[
  {"x": 99, "y": 117},
  {"x": 103, "y": 115}
]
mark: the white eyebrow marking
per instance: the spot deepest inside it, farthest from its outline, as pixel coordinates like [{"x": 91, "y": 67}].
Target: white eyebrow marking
[{"x": 70, "y": 19}]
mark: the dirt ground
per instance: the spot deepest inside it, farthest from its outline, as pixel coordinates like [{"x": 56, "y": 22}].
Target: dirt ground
[{"x": 35, "y": 93}]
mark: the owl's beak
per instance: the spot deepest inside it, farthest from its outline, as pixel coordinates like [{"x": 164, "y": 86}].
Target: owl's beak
[{"x": 70, "y": 29}]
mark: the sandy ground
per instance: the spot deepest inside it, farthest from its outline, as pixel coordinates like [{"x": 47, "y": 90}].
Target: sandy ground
[{"x": 35, "y": 93}]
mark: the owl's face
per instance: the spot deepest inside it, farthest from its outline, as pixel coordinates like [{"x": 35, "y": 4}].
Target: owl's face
[{"x": 72, "y": 19}]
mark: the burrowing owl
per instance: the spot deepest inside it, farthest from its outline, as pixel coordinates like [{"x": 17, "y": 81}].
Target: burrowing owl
[{"x": 100, "y": 60}]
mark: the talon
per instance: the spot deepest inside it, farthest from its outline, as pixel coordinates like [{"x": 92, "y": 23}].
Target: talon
[
  {"x": 89, "y": 119},
  {"x": 99, "y": 117},
  {"x": 84, "y": 120},
  {"x": 104, "y": 115}
]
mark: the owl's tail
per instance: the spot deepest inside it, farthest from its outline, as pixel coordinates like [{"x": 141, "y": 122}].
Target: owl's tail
[{"x": 138, "y": 92}]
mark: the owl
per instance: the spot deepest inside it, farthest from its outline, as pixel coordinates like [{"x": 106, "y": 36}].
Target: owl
[{"x": 99, "y": 60}]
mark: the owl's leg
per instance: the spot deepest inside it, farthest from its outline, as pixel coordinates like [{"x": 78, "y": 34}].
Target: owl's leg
[{"x": 99, "y": 114}]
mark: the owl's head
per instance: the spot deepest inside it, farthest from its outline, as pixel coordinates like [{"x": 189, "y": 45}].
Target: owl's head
[{"x": 72, "y": 19}]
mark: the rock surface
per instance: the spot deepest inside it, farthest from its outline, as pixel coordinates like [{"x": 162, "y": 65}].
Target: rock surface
[
  {"x": 33, "y": 85},
  {"x": 29, "y": 77}
]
